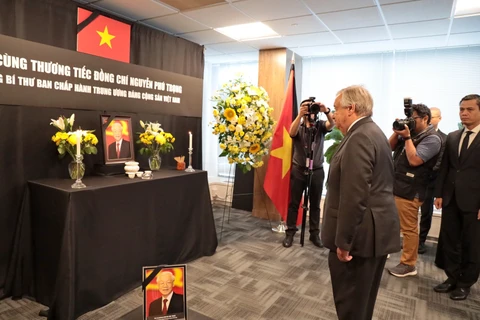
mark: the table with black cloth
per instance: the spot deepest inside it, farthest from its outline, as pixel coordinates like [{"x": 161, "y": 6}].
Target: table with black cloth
[{"x": 88, "y": 245}]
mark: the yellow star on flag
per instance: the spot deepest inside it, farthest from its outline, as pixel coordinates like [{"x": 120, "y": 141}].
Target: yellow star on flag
[
  {"x": 284, "y": 152},
  {"x": 106, "y": 37}
]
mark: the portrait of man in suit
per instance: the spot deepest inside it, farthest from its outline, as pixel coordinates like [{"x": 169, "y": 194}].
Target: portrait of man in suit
[
  {"x": 120, "y": 148},
  {"x": 361, "y": 225},
  {"x": 457, "y": 193},
  {"x": 170, "y": 303}
]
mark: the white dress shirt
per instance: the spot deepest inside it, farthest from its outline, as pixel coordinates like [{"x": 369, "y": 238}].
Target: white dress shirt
[{"x": 470, "y": 139}]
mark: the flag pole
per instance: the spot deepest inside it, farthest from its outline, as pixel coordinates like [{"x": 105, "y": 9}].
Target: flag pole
[{"x": 281, "y": 226}]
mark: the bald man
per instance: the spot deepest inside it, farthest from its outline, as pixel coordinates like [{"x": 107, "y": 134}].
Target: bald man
[
  {"x": 120, "y": 149},
  {"x": 427, "y": 206}
]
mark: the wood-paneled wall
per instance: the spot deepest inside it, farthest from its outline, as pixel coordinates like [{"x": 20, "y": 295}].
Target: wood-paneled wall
[{"x": 273, "y": 70}]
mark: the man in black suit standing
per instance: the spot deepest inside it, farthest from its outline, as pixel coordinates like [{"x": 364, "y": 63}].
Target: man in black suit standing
[
  {"x": 361, "y": 225},
  {"x": 120, "y": 149},
  {"x": 169, "y": 303},
  {"x": 457, "y": 193},
  {"x": 427, "y": 206}
]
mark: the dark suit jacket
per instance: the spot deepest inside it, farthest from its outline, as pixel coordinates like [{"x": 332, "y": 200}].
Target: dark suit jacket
[
  {"x": 176, "y": 306},
  {"x": 460, "y": 179},
  {"x": 442, "y": 135},
  {"x": 124, "y": 150},
  {"x": 360, "y": 213}
]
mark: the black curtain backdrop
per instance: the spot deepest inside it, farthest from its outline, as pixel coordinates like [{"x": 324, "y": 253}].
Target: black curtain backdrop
[
  {"x": 26, "y": 151},
  {"x": 155, "y": 49},
  {"x": 52, "y": 22}
]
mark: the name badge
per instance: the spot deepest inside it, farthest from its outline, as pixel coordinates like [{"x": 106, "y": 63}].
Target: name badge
[{"x": 411, "y": 175}]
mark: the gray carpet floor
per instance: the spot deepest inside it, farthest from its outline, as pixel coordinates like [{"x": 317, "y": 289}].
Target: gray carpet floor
[{"x": 252, "y": 276}]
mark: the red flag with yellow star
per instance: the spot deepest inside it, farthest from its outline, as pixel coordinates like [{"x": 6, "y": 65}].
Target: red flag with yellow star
[
  {"x": 102, "y": 36},
  {"x": 277, "y": 178}
]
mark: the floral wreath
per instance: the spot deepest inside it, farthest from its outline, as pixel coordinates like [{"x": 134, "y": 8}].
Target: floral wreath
[{"x": 243, "y": 123}]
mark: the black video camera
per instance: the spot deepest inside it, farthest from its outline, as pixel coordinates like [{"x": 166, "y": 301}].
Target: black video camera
[
  {"x": 399, "y": 125},
  {"x": 313, "y": 109}
]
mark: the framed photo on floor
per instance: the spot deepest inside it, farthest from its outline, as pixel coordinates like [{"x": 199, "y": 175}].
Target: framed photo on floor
[
  {"x": 164, "y": 294},
  {"x": 117, "y": 139}
]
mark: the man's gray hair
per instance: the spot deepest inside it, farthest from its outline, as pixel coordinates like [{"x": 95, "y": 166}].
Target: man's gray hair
[{"x": 360, "y": 97}]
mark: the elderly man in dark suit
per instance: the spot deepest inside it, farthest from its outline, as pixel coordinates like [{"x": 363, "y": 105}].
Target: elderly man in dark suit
[
  {"x": 120, "y": 148},
  {"x": 169, "y": 303},
  {"x": 361, "y": 225},
  {"x": 458, "y": 194}
]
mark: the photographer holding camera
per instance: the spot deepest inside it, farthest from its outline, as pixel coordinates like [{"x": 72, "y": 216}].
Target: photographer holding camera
[
  {"x": 416, "y": 145},
  {"x": 307, "y": 126}
]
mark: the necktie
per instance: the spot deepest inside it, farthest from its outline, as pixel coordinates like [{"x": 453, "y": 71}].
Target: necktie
[
  {"x": 118, "y": 150},
  {"x": 164, "y": 310},
  {"x": 464, "y": 147}
]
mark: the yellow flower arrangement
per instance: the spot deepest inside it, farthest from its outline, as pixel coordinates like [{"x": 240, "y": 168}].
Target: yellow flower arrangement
[
  {"x": 243, "y": 123},
  {"x": 66, "y": 139},
  {"x": 155, "y": 140}
]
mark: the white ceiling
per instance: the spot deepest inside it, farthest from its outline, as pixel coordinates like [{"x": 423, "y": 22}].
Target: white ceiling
[{"x": 307, "y": 27}]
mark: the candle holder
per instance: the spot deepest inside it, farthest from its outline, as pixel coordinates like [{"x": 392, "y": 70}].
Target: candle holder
[
  {"x": 78, "y": 163},
  {"x": 190, "y": 169}
]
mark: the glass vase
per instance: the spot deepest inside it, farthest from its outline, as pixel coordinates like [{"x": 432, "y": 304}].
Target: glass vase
[
  {"x": 154, "y": 162},
  {"x": 76, "y": 171}
]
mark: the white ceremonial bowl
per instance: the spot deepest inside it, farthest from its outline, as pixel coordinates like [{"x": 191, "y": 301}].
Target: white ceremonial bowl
[
  {"x": 131, "y": 175},
  {"x": 131, "y": 163},
  {"x": 139, "y": 174},
  {"x": 131, "y": 169}
]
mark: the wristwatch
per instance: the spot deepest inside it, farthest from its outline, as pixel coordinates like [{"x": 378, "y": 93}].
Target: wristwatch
[{"x": 327, "y": 111}]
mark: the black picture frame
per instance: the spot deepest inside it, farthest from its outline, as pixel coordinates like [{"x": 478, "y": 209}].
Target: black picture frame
[
  {"x": 153, "y": 277},
  {"x": 124, "y": 151}
]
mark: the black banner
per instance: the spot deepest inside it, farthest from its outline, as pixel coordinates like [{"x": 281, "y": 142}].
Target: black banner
[{"x": 34, "y": 74}]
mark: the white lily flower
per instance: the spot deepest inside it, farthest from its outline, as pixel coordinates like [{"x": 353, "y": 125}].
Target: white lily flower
[
  {"x": 58, "y": 123},
  {"x": 71, "y": 120},
  {"x": 156, "y": 127}
]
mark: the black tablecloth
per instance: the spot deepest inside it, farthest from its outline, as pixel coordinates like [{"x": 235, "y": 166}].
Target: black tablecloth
[{"x": 88, "y": 245}]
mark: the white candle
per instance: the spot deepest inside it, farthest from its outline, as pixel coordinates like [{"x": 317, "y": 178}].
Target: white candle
[
  {"x": 189, "y": 140},
  {"x": 79, "y": 137}
]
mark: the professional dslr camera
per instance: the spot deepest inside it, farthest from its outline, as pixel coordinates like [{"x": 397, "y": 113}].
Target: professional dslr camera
[
  {"x": 313, "y": 109},
  {"x": 399, "y": 125}
]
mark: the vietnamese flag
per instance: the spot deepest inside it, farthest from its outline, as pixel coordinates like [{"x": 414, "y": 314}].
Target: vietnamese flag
[
  {"x": 102, "y": 36},
  {"x": 277, "y": 178}
]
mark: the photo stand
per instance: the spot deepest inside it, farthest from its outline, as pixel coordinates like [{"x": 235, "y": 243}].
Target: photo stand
[{"x": 227, "y": 207}]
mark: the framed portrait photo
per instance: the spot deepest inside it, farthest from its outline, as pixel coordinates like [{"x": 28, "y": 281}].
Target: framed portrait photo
[
  {"x": 164, "y": 296},
  {"x": 117, "y": 139}
]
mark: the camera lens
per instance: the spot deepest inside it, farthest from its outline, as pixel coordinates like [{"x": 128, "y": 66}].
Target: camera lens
[
  {"x": 399, "y": 125},
  {"x": 314, "y": 108}
]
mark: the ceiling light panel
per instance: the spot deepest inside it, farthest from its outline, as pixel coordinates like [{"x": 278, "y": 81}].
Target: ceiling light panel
[
  {"x": 467, "y": 8},
  {"x": 249, "y": 31}
]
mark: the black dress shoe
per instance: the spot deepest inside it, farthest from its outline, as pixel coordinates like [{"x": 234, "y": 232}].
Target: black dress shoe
[
  {"x": 444, "y": 287},
  {"x": 460, "y": 294},
  {"x": 288, "y": 241},
  {"x": 316, "y": 240},
  {"x": 422, "y": 248}
]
